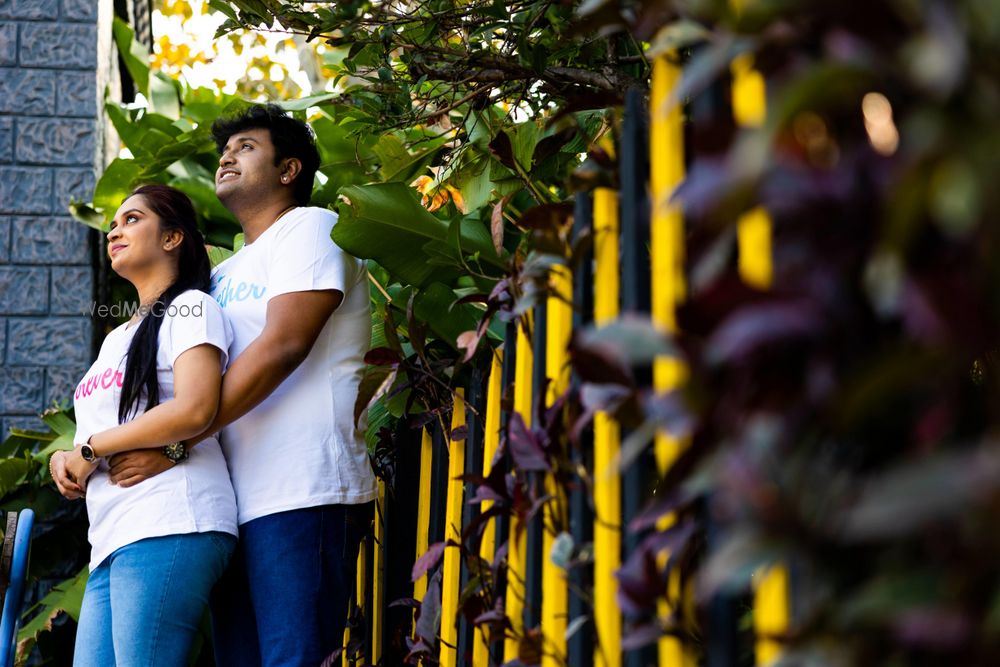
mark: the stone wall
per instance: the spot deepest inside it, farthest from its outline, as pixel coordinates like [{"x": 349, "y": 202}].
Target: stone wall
[{"x": 50, "y": 143}]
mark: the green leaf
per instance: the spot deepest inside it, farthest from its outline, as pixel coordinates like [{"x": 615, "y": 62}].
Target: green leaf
[
  {"x": 63, "y": 442},
  {"x": 164, "y": 95},
  {"x": 115, "y": 184},
  {"x": 303, "y": 103},
  {"x": 208, "y": 206},
  {"x": 66, "y": 597},
  {"x": 133, "y": 55},
  {"x": 87, "y": 215},
  {"x": 386, "y": 222},
  {"x": 524, "y": 137},
  {"x": 59, "y": 421},
  {"x": 399, "y": 164},
  {"x": 378, "y": 418},
  {"x": 217, "y": 254},
  {"x": 435, "y": 305},
  {"x": 224, "y": 8},
  {"x": 471, "y": 178},
  {"x": 12, "y": 472}
]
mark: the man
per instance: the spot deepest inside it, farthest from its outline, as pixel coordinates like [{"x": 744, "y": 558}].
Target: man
[{"x": 301, "y": 319}]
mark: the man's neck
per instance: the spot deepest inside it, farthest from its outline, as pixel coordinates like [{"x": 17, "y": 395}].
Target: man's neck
[{"x": 256, "y": 219}]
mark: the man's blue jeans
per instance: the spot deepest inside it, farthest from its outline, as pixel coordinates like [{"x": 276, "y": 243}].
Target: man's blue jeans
[
  {"x": 283, "y": 600},
  {"x": 143, "y": 605}
]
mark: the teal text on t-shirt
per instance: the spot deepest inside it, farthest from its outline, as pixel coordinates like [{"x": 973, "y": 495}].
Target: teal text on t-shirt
[{"x": 225, "y": 292}]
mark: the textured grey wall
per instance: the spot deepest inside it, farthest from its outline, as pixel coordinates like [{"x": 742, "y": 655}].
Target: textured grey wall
[{"x": 49, "y": 146}]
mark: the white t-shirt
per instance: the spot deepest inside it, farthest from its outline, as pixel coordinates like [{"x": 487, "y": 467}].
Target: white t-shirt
[
  {"x": 194, "y": 496},
  {"x": 299, "y": 448}
]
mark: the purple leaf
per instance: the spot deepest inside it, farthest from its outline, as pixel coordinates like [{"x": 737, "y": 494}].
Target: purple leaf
[
  {"x": 429, "y": 620},
  {"x": 641, "y": 635},
  {"x": 382, "y": 356},
  {"x": 525, "y": 447},
  {"x": 749, "y": 329},
  {"x": 428, "y": 560}
]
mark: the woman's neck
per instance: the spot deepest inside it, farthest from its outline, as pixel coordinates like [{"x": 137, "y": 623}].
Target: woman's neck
[{"x": 150, "y": 287}]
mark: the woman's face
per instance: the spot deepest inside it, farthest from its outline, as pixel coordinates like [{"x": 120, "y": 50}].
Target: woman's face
[{"x": 135, "y": 241}]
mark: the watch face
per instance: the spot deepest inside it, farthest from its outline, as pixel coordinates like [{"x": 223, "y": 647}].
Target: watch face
[
  {"x": 175, "y": 451},
  {"x": 87, "y": 452}
]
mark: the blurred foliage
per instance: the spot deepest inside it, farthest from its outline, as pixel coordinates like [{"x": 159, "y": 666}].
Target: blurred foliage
[
  {"x": 59, "y": 540},
  {"x": 841, "y": 422},
  {"x": 254, "y": 66}
]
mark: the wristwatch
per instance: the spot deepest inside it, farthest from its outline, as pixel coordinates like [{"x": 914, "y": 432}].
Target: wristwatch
[
  {"x": 175, "y": 451},
  {"x": 88, "y": 453}
]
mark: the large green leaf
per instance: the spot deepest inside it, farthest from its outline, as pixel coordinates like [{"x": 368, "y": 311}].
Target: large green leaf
[
  {"x": 133, "y": 54},
  {"x": 435, "y": 305},
  {"x": 66, "y": 597},
  {"x": 142, "y": 132},
  {"x": 164, "y": 95},
  {"x": 116, "y": 182},
  {"x": 398, "y": 163},
  {"x": 12, "y": 472},
  {"x": 217, "y": 255},
  {"x": 386, "y": 222}
]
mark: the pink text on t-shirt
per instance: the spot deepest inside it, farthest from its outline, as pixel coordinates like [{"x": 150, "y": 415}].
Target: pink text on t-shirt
[{"x": 110, "y": 377}]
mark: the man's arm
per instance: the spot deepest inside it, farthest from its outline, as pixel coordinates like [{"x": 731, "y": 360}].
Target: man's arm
[{"x": 292, "y": 325}]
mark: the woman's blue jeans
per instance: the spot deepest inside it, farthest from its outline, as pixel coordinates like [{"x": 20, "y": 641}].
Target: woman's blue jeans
[{"x": 144, "y": 604}]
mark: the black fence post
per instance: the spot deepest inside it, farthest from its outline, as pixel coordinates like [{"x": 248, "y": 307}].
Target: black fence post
[
  {"x": 580, "y": 646},
  {"x": 634, "y": 209},
  {"x": 474, "y": 415}
]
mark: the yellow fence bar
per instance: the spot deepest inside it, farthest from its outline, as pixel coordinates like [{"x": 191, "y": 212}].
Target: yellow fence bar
[
  {"x": 607, "y": 440},
  {"x": 753, "y": 239},
  {"x": 754, "y": 232},
  {"x": 423, "y": 507},
  {"x": 518, "y": 540},
  {"x": 559, "y": 325},
  {"x": 771, "y": 612},
  {"x": 361, "y": 582},
  {"x": 555, "y": 594},
  {"x": 378, "y": 571},
  {"x": 450, "y": 576},
  {"x": 666, "y": 137},
  {"x": 491, "y": 440}
]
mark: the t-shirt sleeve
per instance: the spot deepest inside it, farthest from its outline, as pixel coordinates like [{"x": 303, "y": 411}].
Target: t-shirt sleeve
[
  {"x": 194, "y": 318},
  {"x": 304, "y": 258}
]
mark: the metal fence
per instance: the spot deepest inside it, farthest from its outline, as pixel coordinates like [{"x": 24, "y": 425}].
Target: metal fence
[{"x": 636, "y": 267}]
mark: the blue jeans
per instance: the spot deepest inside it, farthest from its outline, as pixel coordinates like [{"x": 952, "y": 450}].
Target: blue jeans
[
  {"x": 144, "y": 603},
  {"x": 283, "y": 600}
]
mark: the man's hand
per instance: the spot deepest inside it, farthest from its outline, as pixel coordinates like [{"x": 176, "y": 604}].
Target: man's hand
[
  {"x": 130, "y": 468},
  {"x": 78, "y": 470},
  {"x": 67, "y": 487}
]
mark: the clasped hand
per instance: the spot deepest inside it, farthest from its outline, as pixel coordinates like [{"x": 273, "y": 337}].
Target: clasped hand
[{"x": 70, "y": 472}]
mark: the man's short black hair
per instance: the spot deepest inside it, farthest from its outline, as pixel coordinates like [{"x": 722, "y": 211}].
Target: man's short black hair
[{"x": 291, "y": 137}]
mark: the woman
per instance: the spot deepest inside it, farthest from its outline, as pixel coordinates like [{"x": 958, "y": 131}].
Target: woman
[{"x": 158, "y": 547}]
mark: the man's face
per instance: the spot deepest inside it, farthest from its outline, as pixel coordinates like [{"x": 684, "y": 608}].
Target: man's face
[{"x": 246, "y": 167}]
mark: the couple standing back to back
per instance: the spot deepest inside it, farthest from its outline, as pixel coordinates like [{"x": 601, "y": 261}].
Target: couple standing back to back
[{"x": 290, "y": 314}]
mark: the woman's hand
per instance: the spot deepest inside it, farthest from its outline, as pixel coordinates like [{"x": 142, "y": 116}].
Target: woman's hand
[
  {"x": 67, "y": 486},
  {"x": 77, "y": 469},
  {"x": 130, "y": 468}
]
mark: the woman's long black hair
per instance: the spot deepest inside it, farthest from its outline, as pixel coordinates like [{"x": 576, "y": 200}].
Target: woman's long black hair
[{"x": 175, "y": 212}]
